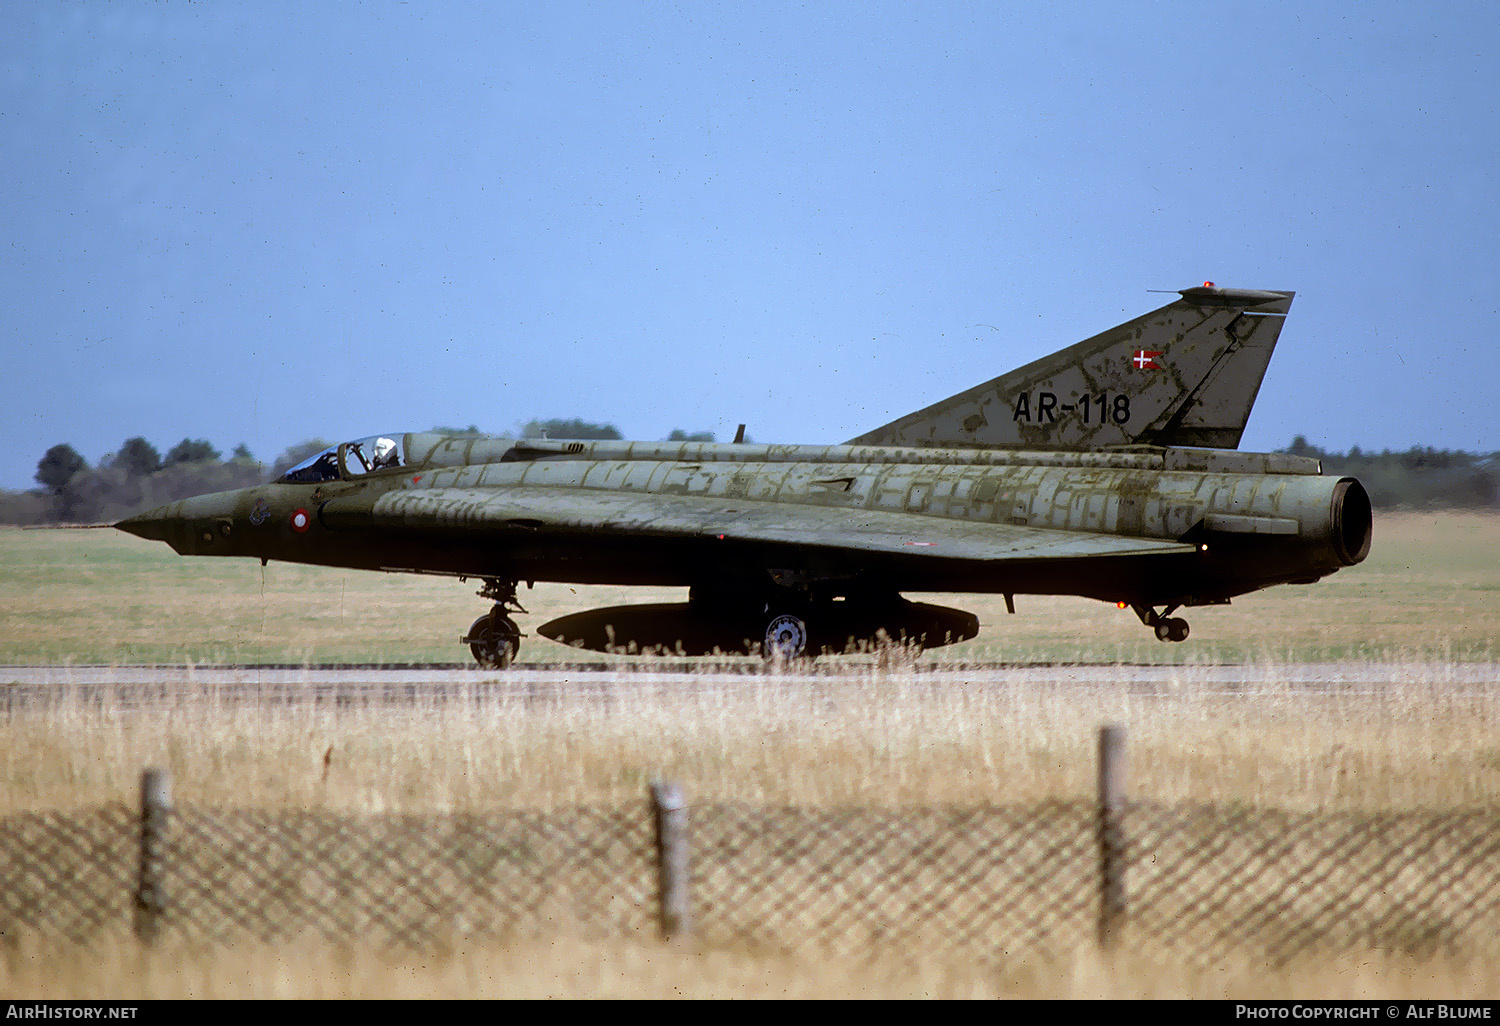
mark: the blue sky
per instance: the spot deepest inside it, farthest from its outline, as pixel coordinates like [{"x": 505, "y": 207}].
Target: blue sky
[{"x": 262, "y": 223}]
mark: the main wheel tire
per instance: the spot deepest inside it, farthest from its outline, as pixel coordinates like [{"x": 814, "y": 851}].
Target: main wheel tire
[
  {"x": 494, "y": 642},
  {"x": 785, "y": 638},
  {"x": 1177, "y": 629}
]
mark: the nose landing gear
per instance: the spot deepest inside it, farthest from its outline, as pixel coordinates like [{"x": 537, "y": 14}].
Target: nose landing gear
[{"x": 494, "y": 638}]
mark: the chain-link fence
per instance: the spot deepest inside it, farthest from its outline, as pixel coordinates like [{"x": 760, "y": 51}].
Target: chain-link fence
[{"x": 979, "y": 883}]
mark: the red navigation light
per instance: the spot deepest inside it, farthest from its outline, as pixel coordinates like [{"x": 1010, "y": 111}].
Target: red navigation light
[
  {"x": 1120, "y": 605},
  {"x": 1208, "y": 284}
]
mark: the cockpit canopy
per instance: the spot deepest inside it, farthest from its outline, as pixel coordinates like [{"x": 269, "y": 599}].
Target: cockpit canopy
[{"x": 349, "y": 459}]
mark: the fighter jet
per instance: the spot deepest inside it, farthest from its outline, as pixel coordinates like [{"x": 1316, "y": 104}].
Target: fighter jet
[{"x": 1107, "y": 470}]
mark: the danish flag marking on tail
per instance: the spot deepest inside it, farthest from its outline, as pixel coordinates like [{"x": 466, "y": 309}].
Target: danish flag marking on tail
[{"x": 1145, "y": 359}]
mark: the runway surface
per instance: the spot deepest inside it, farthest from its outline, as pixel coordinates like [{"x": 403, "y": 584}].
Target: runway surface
[{"x": 31, "y": 687}]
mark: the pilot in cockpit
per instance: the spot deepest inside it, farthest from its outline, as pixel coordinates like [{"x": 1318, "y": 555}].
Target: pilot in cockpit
[{"x": 385, "y": 454}]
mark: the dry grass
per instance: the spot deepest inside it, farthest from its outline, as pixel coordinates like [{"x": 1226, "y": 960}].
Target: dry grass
[
  {"x": 871, "y": 738},
  {"x": 654, "y": 971}
]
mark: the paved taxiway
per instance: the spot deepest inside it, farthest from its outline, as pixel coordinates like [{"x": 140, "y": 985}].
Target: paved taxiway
[{"x": 24, "y": 687}]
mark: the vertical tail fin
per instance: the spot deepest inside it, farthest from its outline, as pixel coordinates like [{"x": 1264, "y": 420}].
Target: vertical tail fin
[{"x": 1186, "y": 374}]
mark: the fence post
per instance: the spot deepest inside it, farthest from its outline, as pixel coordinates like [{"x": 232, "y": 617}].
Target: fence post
[
  {"x": 674, "y": 914},
  {"x": 1112, "y": 853},
  {"x": 150, "y": 894}
]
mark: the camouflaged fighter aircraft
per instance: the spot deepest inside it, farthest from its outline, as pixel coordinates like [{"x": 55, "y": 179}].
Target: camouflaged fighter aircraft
[{"x": 1105, "y": 470}]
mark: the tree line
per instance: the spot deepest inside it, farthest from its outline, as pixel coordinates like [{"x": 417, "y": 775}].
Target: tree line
[
  {"x": 138, "y": 476},
  {"x": 1416, "y": 478}
]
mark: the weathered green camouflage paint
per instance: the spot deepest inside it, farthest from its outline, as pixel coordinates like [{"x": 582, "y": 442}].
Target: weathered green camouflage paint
[{"x": 1078, "y": 474}]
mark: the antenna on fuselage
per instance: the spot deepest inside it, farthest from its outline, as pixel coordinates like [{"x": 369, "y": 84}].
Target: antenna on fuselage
[{"x": 739, "y": 436}]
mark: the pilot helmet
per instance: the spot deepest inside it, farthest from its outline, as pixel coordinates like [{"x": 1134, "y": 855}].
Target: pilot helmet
[{"x": 385, "y": 451}]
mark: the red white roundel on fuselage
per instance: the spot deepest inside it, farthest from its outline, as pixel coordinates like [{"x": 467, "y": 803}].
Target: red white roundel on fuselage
[{"x": 301, "y": 520}]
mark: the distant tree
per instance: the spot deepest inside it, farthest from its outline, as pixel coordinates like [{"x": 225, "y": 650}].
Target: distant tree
[
  {"x": 103, "y": 494},
  {"x": 472, "y": 429},
  {"x": 242, "y": 454},
  {"x": 679, "y": 435},
  {"x": 57, "y": 465},
  {"x": 1302, "y": 447},
  {"x": 137, "y": 457},
  {"x": 26, "y": 508},
  {"x": 190, "y": 450},
  {"x": 197, "y": 478},
  {"x": 296, "y": 454},
  {"x": 575, "y": 428},
  {"x": 1484, "y": 489}
]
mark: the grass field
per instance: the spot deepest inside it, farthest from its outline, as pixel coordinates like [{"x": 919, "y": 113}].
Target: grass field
[
  {"x": 1430, "y": 592},
  {"x": 661, "y": 971}
]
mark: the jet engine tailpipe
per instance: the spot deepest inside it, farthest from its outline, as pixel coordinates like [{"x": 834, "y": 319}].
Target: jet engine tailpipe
[{"x": 1353, "y": 521}]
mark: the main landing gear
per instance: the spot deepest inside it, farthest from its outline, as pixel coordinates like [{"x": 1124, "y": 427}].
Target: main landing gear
[
  {"x": 1173, "y": 629},
  {"x": 786, "y": 637},
  {"x": 494, "y": 638},
  {"x": 779, "y": 616}
]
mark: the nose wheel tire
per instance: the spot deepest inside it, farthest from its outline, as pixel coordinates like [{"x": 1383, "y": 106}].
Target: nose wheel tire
[
  {"x": 494, "y": 640},
  {"x": 786, "y": 638}
]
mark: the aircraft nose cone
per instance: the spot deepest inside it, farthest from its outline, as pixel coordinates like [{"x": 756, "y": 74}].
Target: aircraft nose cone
[
  {"x": 154, "y": 525},
  {"x": 201, "y": 525}
]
